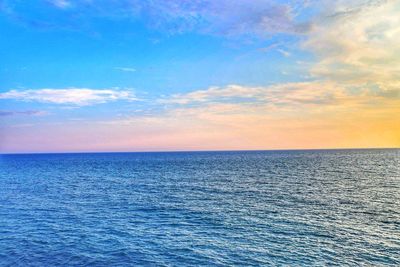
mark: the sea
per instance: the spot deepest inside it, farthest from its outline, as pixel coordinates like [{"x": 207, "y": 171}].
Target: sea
[{"x": 234, "y": 208}]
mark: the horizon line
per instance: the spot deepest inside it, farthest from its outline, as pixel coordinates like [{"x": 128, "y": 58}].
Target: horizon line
[{"x": 194, "y": 151}]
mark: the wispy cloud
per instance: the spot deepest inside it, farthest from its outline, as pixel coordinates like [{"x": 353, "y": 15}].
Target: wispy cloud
[
  {"x": 215, "y": 94},
  {"x": 4, "y": 113},
  {"x": 60, "y": 3},
  {"x": 270, "y": 47},
  {"x": 224, "y": 17},
  {"x": 74, "y": 96},
  {"x": 126, "y": 69},
  {"x": 292, "y": 115},
  {"x": 284, "y": 52},
  {"x": 279, "y": 94}
]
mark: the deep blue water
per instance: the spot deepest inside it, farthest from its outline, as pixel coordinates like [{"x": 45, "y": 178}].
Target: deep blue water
[{"x": 338, "y": 207}]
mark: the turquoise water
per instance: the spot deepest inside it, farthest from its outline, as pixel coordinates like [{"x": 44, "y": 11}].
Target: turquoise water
[{"x": 338, "y": 207}]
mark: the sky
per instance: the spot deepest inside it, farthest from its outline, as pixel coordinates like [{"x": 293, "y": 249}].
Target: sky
[{"x": 156, "y": 75}]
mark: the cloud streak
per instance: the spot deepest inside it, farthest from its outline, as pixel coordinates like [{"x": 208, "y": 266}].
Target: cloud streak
[
  {"x": 279, "y": 95},
  {"x": 4, "y": 113},
  {"x": 292, "y": 115},
  {"x": 126, "y": 69},
  {"x": 74, "y": 96},
  {"x": 222, "y": 17},
  {"x": 60, "y": 3},
  {"x": 258, "y": 17}
]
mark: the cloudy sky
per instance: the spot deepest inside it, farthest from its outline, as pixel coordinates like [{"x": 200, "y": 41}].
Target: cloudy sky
[{"x": 137, "y": 75}]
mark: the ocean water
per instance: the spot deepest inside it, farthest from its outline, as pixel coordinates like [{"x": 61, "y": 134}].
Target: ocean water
[{"x": 260, "y": 208}]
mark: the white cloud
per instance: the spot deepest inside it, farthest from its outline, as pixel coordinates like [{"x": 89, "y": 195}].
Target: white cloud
[
  {"x": 214, "y": 94},
  {"x": 280, "y": 94},
  {"x": 357, "y": 43},
  {"x": 284, "y": 52},
  {"x": 126, "y": 69},
  {"x": 74, "y": 96},
  {"x": 61, "y": 3}
]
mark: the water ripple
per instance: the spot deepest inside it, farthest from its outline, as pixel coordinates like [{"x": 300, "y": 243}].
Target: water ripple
[{"x": 339, "y": 207}]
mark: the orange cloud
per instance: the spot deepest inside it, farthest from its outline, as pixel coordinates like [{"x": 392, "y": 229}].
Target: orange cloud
[{"x": 302, "y": 115}]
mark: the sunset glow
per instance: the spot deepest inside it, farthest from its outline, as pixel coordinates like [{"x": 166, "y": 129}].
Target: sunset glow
[{"x": 198, "y": 75}]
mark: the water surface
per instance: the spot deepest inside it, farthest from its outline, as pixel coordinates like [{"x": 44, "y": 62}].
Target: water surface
[{"x": 334, "y": 207}]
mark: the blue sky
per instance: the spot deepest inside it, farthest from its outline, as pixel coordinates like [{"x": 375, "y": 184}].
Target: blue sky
[
  {"x": 94, "y": 51},
  {"x": 77, "y": 63}
]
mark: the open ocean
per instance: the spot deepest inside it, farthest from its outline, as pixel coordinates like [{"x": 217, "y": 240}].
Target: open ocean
[{"x": 284, "y": 208}]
